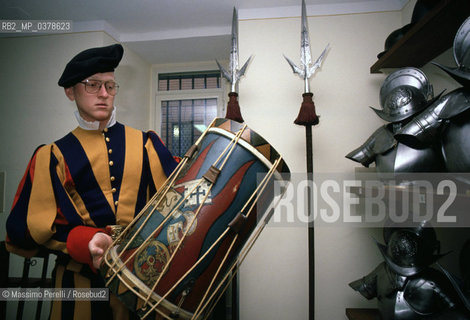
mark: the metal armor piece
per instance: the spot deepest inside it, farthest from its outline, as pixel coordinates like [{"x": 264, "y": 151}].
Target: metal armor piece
[
  {"x": 404, "y": 93},
  {"x": 423, "y": 129},
  {"x": 409, "y": 251},
  {"x": 461, "y": 49},
  {"x": 427, "y": 295},
  {"x": 422, "y": 228},
  {"x": 464, "y": 262},
  {"x": 393, "y": 38},
  {"x": 421, "y": 9},
  {"x": 405, "y": 285},
  {"x": 390, "y": 156},
  {"x": 456, "y": 143},
  {"x": 404, "y": 159},
  {"x": 379, "y": 142},
  {"x": 383, "y": 284}
]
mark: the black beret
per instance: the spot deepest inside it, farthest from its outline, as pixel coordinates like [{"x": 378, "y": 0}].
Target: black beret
[{"x": 89, "y": 62}]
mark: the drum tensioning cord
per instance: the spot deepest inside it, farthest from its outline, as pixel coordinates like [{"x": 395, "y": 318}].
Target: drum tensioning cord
[
  {"x": 230, "y": 147},
  {"x": 235, "y": 266},
  {"x": 202, "y": 306},
  {"x": 155, "y": 200},
  {"x": 159, "y": 196},
  {"x": 211, "y": 248}
]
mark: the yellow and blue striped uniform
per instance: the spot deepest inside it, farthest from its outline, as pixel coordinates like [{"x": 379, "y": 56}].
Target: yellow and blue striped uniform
[{"x": 87, "y": 178}]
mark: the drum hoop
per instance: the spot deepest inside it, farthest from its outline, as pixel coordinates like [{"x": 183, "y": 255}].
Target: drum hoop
[
  {"x": 145, "y": 290},
  {"x": 249, "y": 147}
]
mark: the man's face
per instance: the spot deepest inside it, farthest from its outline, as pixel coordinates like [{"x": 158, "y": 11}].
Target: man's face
[{"x": 93, "y": 106}]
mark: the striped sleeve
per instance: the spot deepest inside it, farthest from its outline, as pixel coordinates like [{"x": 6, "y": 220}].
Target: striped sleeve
[
  {"x": 35, "y": 218},
  {"x": 35, "y": 189},
  {"x": 162, "y": 162}
]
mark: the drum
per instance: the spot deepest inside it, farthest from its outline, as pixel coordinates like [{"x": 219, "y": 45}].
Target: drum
[{"x": 177, "y": 256}]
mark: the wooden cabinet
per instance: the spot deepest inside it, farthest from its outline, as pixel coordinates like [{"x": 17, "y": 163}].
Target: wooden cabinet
[{"x": 428, "y": 38}]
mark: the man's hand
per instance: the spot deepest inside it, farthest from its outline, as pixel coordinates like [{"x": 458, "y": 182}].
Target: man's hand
[{"x": 97, "y": 246}]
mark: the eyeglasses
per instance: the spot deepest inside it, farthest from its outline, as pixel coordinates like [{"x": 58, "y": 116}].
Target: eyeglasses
[{"x": 93, "y": 86}]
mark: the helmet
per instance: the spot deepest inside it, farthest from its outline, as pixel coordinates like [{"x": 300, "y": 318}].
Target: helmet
[
  {"x": 461, "y": 55},
  {"x": 404, "y": 93},
  {"x": 410, "y": 249},
  {"x": 393, "y": 38},
  {"x": 420, "y": 10}
]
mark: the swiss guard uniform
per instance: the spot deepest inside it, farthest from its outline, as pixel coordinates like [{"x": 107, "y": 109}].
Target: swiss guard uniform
[{"x": 81, "y": 183}]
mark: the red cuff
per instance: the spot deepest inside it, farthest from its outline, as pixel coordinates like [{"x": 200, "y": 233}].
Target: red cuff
[{"x": 77, "y": 244}]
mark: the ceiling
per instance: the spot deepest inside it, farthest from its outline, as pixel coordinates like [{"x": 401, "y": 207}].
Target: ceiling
[{"x": 173, "y": 31}]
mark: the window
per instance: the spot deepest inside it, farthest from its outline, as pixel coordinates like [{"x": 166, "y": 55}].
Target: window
[
  {"x": 183, "y": 122},
  {"x": 187, "y": 103},
  {"x": 189, "y": 81}
]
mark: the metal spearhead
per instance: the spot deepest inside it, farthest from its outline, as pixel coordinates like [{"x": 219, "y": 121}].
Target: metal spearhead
[
  {"x": 306, "y": 69},
  {"x": 234, "y": 74}
]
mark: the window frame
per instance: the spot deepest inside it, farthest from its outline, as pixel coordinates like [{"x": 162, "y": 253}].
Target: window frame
[{"x": 159, "y": 96}]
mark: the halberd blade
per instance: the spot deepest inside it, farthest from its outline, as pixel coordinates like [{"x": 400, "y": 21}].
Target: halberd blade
[
  {"x": 306, "y": 69},
  {"x": 234, "y": 74}
]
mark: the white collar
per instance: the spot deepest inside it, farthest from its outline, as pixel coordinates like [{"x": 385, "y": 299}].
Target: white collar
[{"x": 94, "y": 125}]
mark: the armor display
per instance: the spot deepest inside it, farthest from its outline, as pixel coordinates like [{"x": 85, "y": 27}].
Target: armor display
[
  {"x": 405, "y": 285},
  {"x": 430, "y": 135},
  {"x": 404, "y": 93},
  {"x": 447, "y": 120},
  {"x": 461, "y": 48}
]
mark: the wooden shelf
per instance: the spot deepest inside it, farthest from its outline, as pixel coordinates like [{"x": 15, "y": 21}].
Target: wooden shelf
[
  {"x": 428, "y": 38},
  {"x": 362, "y": 314}
]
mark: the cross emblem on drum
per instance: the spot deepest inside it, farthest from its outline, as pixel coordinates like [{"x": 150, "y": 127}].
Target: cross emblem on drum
[{"x": 198, "y": 193}]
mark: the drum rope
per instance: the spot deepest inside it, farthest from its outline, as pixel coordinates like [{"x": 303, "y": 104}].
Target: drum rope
[
  {"x": 138, "y": 230},
  {"x": 151, "y": 235},
  {"x": 235, "y": 267},
  {"x": 262, "y": 183},
  {"x": 198, "y": 310},
  {"x": 161, "y": 193},
  {"x": 260, "y": 189},
  {"x": 230, "y": 147},
  {"x": 233, "y": 143},
  {"x": 193, "y": 267}
]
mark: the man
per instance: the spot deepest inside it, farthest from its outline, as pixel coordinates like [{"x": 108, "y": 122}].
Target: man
[{"x": 98, "y": 175}]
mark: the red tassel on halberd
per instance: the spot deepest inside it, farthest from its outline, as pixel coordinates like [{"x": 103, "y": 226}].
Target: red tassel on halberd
[
  {"x": 233, "y": 108},
  {"x": 307, "y": 115}
]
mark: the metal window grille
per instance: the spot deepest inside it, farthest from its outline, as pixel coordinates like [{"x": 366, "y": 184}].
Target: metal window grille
[
  {"x": 189, "y": 80},
  {"x": 183, "y": 122}
]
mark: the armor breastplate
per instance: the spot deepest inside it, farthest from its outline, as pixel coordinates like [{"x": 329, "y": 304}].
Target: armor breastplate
[
  {"x": 405, "y": 159},
  {"x": 402, "y": 309},
  {"x": 456, "y": 143},
  {"x": 426, "y": 127},
  {"x": 389, "y": 285}
]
